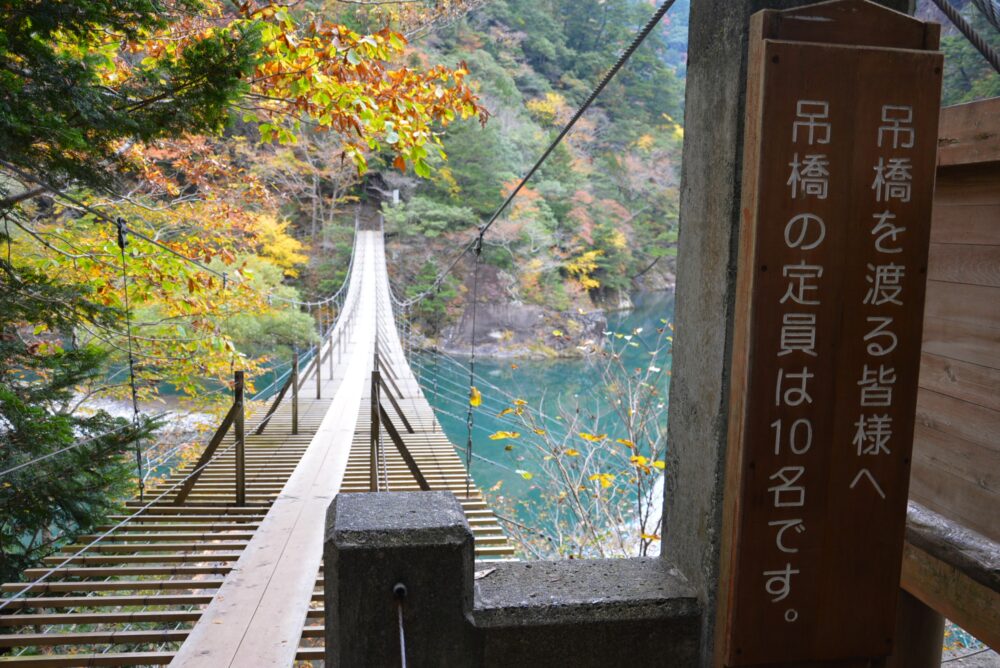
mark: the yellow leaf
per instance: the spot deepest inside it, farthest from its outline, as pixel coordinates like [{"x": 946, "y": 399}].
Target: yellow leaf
[
  {"x": 592, "y": 437},
  {"x": 475, "y": 396},
  {"x": 525, "y": 474},
  {"x": 649, "y": 536},
  {"x": 572, "y": 453},
  {"x": 638, "y": 460},
  {"x": 625, "y": 442},
  {"x": 605, "y": 479},
  {"x": 557, "y": 332},
  {"x": 540, "y": 432},
  {"x": 500, "y": 435},
  {"x": 659, "y": 464},
  {"x": 520, "y": 402},
  {"x": 506, "y": 411}
]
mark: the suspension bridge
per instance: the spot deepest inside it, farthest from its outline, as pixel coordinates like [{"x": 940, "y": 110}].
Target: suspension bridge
[{"x": 220, "y": 564}]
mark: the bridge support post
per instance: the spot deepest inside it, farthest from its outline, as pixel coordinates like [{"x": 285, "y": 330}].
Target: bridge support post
[
  {"x": 295, "y": 392},
  {"x": 238, "y": 433},
  {"x": 376, "y": 430},
  {"x": 375, "y": 542},
  {"x": 543, "y": 613},
  {"x": 319, "y": 367},
  {"x": 919, "y": 635}
]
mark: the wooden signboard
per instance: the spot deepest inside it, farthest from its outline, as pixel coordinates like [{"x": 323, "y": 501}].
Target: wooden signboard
[{"x": 839, "y": 165}]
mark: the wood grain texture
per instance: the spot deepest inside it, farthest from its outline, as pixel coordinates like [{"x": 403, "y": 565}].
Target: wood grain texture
[
  {"x": 956, "y": 451},
  {"x": 976, "y": 384},
  {"x": 970, "y": 264},
  {"x": 963, "y": 303},
  {"x": 971, "y": 183},
  {"x": 956, "y": 463},
  {"x": 970, "y": 342},
  {"x": 958, "y": 222},
  {"x": 852, "y": 539},
  {"x": 950, "y": 591},
  {"x": 969, "y": 134}
]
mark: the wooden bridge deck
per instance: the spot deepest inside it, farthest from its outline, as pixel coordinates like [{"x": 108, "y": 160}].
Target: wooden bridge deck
[{"x": 205, "y": 582}]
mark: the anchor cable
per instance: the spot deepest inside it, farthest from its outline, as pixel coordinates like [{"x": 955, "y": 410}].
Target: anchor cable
[
  {"x": 970, "y": 33},
  {"x": 640, "y": 37},
  {"x": 122, "y": 238},
  {"x": 478, "y": 251}
]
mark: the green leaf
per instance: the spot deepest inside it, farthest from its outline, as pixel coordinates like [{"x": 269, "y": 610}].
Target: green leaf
[{"x": 421, "y": 168}]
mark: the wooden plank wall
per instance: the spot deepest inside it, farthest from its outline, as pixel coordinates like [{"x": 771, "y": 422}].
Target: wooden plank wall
[{"x": 957, "y": 437}]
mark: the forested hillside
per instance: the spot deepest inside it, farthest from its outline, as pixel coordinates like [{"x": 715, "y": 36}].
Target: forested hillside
[
  {"x": 600, "y": 218},
  {"x": 968, "y": 76}
]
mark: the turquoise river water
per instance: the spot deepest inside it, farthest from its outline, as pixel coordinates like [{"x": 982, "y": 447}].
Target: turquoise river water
[{"x": 549, "y": 387}]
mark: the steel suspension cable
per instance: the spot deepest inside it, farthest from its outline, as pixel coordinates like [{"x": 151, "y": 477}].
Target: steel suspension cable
[
  {"x": 59, "y": 470},
  {"x": 622, "y": 59},
  {"x": 977, "y": 40},
  {"x": 990, "y": 9}
]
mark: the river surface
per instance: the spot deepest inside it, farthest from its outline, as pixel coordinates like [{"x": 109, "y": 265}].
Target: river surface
[{"x": 550, "y": 388}]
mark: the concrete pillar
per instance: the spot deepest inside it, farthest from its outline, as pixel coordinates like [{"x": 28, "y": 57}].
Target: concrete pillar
[
  {"x": 706, "y": 276},
  {"x": 376, "y": 541}
]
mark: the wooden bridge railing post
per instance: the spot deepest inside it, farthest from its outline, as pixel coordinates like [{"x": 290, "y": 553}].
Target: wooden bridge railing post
[
  {"x": 319, "y": 366},
  {"x": 295, "y": 392},
  {"x": 375, "y": 432},
  {"x": 238, "y": 432}
]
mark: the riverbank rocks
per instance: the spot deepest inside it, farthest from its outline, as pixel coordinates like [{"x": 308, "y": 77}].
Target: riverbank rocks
[{"x": 508, "y": 329}]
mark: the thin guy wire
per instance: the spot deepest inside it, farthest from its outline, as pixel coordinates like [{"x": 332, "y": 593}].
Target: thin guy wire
[
  {"x": 963, "y": 656},
  {"x": 147, "y": 506},
  {"x": 224, "y": 276},
  {"x": 122, "y": 243},
  {"x": 478, "y": 250},
  {"x": 402, "y": 632},
  {"x": 78, "y": 444}
]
